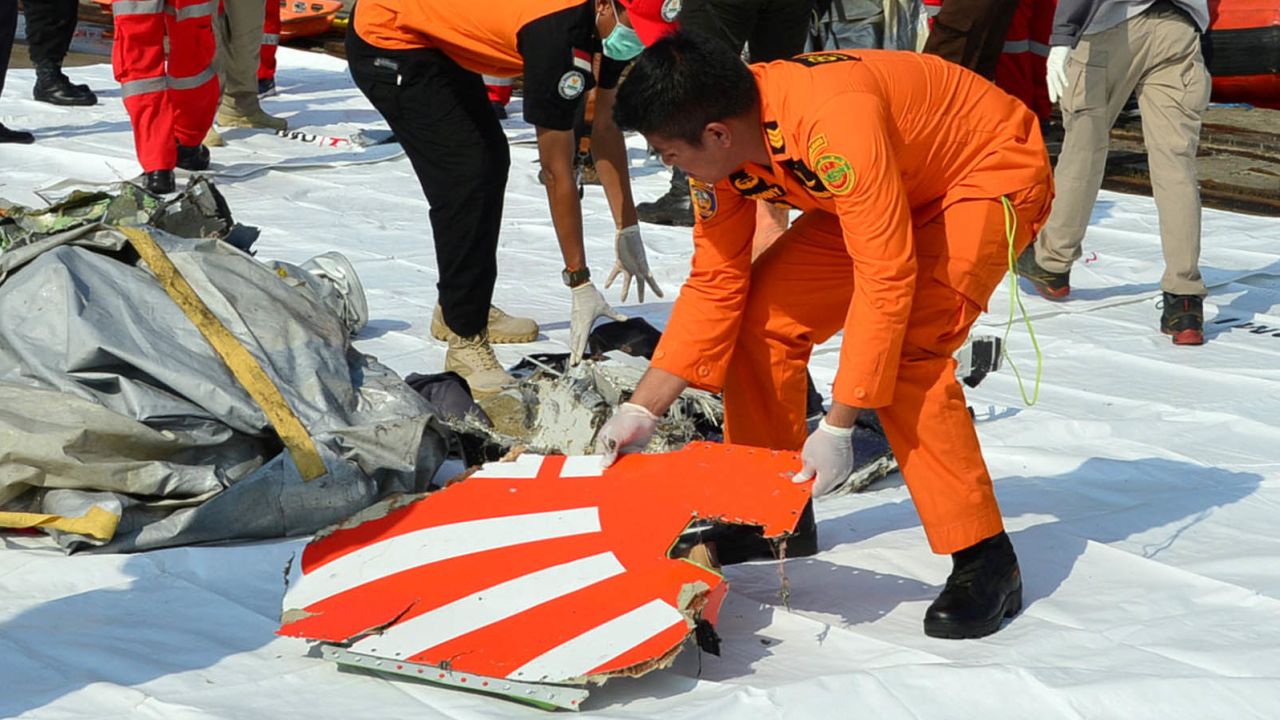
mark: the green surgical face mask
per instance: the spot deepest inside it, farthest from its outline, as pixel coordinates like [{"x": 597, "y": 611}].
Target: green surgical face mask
[{"x": 622, "y": 44}]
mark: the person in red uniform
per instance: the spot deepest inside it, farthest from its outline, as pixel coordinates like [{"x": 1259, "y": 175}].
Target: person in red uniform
[
  {"x": 163, "y": 59},
  {"x": 267, "y": 55},
  {"x": 916, "y": 179},
  {"x": 421, "y": 62}
]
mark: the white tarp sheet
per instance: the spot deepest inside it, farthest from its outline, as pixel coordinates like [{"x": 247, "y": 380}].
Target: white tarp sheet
[{"x": 1142, "y": 491}]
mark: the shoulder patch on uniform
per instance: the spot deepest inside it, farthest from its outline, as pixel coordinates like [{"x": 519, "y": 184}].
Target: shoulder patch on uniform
[
  {"x": 835, "y": 172},
  {"x": 704, "y": 198},
  {"x": 823, "y": 58},
  {"x": 571, "y": 84},
  {"x": 776, "y": 142}
]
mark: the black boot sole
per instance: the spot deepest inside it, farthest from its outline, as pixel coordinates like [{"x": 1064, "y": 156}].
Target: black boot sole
[{"x": 950, "y": 630}]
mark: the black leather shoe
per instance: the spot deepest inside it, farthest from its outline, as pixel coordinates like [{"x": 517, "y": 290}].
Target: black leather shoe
[
  {"x": 56, "y": 89},
  {"x": 159, "y": 182},
  {"x": 194, "y": 158},
  {"x": 739, "y": 543},
  {"x": 674, "y": 208},
  {"x": 15, "y": 136},
  {"x": 984, "y": 588}
]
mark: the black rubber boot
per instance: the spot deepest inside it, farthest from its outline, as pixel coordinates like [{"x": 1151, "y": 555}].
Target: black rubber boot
[
  {"x": 20, "y": 137},
  {"x": 159, "y": 182},
  {"x": 193, "y": 158},
  {"x": 739, "y": 543},
  {"x": 56, "y": 89},
  {"x": 674, "y": 208},
  {"x": 984, "y": 588}
]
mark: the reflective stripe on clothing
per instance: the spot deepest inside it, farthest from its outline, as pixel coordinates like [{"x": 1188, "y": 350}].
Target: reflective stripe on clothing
[
  {"x": 143, "y": 86},
  {"x": 270, "y": 39},
  {"x": 191, "y": 81},
  {"x": 1021, "y": 46},
  {"x": 166, "y": 82},
  {"x": 190, "y": 12},
  {"x": 120, "y": 8}
]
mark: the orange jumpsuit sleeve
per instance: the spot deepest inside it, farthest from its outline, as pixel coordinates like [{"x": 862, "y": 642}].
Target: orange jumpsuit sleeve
[
  {"x": 851, "y": 148},
  {"x": 699, "y": 338}
]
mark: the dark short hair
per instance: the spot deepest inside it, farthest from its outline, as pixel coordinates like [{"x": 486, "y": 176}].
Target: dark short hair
[{"x": 681, "y": 83}]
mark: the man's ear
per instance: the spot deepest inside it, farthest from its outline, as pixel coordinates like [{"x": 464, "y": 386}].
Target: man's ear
[{"x": 718, "y": 134}]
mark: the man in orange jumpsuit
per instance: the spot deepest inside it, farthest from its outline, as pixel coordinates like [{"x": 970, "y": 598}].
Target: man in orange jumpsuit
[
  {"x": 910, "y": 171},
  {"x": 163, "y": 59}
]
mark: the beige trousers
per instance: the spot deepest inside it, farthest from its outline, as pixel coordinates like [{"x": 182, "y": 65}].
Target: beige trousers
[
  {"x": 239, "y": 33},
  {"x": 1157, "y": 54}
]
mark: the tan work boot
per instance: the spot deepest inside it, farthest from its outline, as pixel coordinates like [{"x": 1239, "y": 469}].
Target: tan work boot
[
  {"x": 213, "y": 139},
  {"x": 473, "y": 358},
  {"x": 503, "y": 328},
  {"x": 229, "y": 117}
]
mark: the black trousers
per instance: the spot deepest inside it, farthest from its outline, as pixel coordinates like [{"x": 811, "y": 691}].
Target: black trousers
[
  {"x": 8, "y": 24},
  {"x": 771, "y": 29},
  {"x": 50, "y": 27},
  {"x": 441, "y": 115},
  {"x": 971, "y": 33}
]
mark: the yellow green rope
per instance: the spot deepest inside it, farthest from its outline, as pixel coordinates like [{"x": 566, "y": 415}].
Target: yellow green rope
[{"x": 1011, "y": 230}]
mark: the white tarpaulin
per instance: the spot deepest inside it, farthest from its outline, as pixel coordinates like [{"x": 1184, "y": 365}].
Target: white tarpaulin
[{"x": 1141, "y": 492}]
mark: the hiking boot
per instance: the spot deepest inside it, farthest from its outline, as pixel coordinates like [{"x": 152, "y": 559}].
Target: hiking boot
[
  {"x": 473, "y": 359},
  {"x": 499, "y": 109},
  {"x": 55, "y": 88},
  {"x": 1050, "y": 285},
  {"x": 1183, "y": 319},
  {"x": 984, "y": 588},
  {"x": 674, "y": 208},
  {"x": 159, "y": 182},
  {"x": 256, "y": 119},
  {"x": 20, "y": 137},
  {"x": 213, "y": 138},
  {"x": 503, "y": 328},
  {"x": 193, "y": 158},
  {"x": 266, "y": 87}
]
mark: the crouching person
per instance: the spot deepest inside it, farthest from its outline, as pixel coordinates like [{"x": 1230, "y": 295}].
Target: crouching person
[{"x": 916, "y": 179}]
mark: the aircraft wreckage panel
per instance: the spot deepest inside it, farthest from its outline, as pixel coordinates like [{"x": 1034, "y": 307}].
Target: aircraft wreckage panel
[{"x": 541, "y": 569}]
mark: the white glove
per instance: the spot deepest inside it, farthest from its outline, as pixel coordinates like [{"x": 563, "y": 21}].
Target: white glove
[
  {"x": 588, "y": 304},
  {"x": 1056, "y": 72},
  {"x": 627, "y": 430},
  {"x": 828, "y": 454},
  {"x": 631, "y": 261}
]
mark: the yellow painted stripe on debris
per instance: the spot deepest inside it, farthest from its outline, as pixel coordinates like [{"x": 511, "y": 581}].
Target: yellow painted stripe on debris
[
  {"x": 238, "y": 359},
  {"x": 97, "y": 523}
]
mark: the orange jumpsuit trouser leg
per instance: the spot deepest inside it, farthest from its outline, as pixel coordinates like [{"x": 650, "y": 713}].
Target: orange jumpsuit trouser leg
[{"x": 799, "y": 292}]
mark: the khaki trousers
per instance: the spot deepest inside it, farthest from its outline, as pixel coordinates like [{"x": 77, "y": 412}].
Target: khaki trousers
[
  {"x": 1157, "y": 54},
  {"x": 239, "y": 34}
]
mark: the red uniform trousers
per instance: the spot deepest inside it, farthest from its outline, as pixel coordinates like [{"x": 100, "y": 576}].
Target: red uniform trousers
[
  {"x": 171, "y": 96},
  {"x": 800, "y": 289},
  {"x": 270, "y": 41}
]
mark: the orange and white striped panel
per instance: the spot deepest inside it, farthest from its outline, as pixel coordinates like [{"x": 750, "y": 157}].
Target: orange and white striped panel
[{"x": 541, "y": 570}]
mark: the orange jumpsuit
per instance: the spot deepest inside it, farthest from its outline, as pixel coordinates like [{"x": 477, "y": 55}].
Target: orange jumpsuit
[{"x": 898, "y": 162}]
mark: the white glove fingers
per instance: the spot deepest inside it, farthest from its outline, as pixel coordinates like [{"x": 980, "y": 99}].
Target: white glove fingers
[{"x": 653, "y": 285}]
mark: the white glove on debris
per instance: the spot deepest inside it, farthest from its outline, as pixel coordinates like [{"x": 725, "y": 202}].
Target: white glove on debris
[
  {"x": 1056, "y": 72},
  {"x": 631, "y": 261},
  {"x": 627, "y": 430},
  {"x": 588, "y": 304},
  {"x": 827, "y": 454}
]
